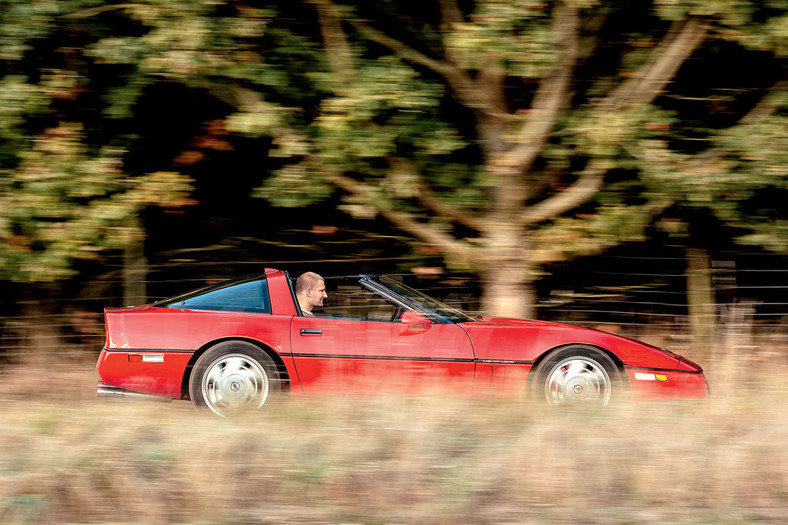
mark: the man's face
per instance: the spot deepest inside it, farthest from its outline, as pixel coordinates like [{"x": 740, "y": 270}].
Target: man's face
[{"x": 317, "y": 294}]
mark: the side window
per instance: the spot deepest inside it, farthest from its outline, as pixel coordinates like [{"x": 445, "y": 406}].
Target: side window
[
  {"x": 352, "y": 301},
  {"x": 249, "y": 296}
]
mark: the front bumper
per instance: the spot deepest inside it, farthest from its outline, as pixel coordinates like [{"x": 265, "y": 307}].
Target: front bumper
[{"x": 660, "y": 384}]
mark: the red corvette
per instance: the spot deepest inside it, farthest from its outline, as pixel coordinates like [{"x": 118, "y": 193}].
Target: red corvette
[{"x": 240, "y": 343}]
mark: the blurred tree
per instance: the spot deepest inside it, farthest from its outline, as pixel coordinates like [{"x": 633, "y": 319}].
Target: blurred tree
[
  {"x": 506, "y": 134},
  {"x": 64, "y": 193},
  {"x": 514, "y": 134}
]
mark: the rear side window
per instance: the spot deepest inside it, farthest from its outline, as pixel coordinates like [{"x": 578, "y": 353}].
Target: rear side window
[{"x": 244, "y": 296}]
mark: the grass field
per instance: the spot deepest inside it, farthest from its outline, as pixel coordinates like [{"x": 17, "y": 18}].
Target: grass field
[{"x": 66, "y": 457}]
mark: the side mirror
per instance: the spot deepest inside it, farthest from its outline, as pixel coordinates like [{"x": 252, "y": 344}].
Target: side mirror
[{"x": 411, "y": 317}]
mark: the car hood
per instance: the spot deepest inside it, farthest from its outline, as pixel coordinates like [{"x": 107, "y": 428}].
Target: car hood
[
  {"x": 525, "y": 340},
  {"x": 503, "y": 321}
]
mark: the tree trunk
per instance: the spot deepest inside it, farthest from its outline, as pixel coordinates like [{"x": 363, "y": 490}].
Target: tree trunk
[
  {"x": 38, "y": 338},
  {"x": 503, "y": 297},
  {"x": 507, "y": 289},
  {"x": 700, "y": 297},
  {"x": 135, "y": 271}
]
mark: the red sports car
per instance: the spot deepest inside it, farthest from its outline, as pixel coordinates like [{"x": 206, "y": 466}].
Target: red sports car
[{"x": 240, "y": 343}]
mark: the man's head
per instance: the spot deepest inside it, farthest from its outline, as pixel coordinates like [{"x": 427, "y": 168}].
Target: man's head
[{"x": 310, "y": 290}]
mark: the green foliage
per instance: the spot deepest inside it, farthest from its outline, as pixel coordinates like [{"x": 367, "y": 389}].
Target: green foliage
[
  {"x": 387, "y": 109},
  {"x": 757, "y": 154},
  {"x": 732, "y": 12},
  {"x": 427, "y": 117},
  {"x": 517, "y": 33},
  {"x": 21, "y": 24},
  {"x": 294, "y": 186},
  {"x": 19, "y": 101},
  {"x": 64, "y": 195},
  {"x": 62, "y": 204}
]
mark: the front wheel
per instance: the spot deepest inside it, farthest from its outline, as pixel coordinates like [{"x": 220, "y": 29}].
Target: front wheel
[
  {"x": 233, "y": 376},
  {"x": 576, "y": 375}
]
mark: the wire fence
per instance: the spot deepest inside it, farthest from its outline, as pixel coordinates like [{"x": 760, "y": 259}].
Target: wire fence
[{"x": 633, "y": 295}]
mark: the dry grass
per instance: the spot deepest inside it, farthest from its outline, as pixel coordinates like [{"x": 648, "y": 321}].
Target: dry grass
[{"x": 66, "y": 457}]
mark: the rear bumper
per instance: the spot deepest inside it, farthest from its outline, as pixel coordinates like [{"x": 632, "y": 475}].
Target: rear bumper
[
  {"x": 103, "y": 390},
  {"x": 130, "y": 369}
]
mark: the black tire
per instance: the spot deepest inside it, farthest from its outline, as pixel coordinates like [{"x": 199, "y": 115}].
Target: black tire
[
  {"x": 234, "y": 376},
  {"x": 576, "y": 375}
]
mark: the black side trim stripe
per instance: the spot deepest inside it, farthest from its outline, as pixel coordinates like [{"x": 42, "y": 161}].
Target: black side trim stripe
[
  {"x": 386, "y": 358},
  {"x": 150, "y": 350},
  {"x": 673, "y": 370},
  {"x": 406, "y": 358},
  {"x": 505, "y": 361}
]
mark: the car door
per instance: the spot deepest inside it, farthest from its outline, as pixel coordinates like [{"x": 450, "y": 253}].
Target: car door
[{"x": 363, "y": 343}]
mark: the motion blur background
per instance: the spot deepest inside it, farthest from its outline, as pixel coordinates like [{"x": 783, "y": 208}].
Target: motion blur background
[{"x": 619, "y": 165}]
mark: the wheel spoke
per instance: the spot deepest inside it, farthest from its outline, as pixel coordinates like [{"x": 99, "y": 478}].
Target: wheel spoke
[
  {"x": 576, "y": 368},
  {"x": 213, "y": 376},
  {"x": 578, "y": 379},
  {"x": 234, "y": 364},
  {"x": 233, "y": 382}
]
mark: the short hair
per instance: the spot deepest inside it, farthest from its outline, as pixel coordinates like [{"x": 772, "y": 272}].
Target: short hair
[{"x": 307, "y": 280}]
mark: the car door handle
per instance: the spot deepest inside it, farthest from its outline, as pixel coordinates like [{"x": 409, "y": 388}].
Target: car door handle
[{"x": 311, "y": 331}]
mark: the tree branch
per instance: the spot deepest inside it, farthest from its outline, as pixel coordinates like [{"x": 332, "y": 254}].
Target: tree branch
[
  {"x": 553, "y": 252},
  {"x": 545, "y": 179},
  {"x": 451, "y": 12},
  {"x": 457, "y": 78},
  {"x": 550, "y": 97},
  {"x": 489, "y": 86},
  {"x": 338, "y": 51},
  {"x": 403, "y": 220},
  {"x": 586, "y": 186},
  {"x": 677, "y": 46},
  {"x": 458, "y": 250},
  {"x": 588, "y": 42},
  {"x": 94, "y": 11},
  {"x": 767, "y": 106},
  {"x": 429, "y": 200},
  {"x": 432, "y": 202}
]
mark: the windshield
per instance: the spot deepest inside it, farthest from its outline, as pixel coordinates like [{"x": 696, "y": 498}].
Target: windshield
[{"x": 425, "y": 301}]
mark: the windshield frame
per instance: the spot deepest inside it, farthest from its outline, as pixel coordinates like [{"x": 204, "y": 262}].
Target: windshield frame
[{"x": 418, "y": 301}]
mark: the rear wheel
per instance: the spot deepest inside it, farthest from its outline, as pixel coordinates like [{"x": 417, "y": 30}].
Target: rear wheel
[
  {"x": 233, "y": 376},
  {"x": 576, "y": 375}
]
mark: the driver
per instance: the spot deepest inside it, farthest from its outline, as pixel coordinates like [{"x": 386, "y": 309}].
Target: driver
[{"x": 310, "y": 291}]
